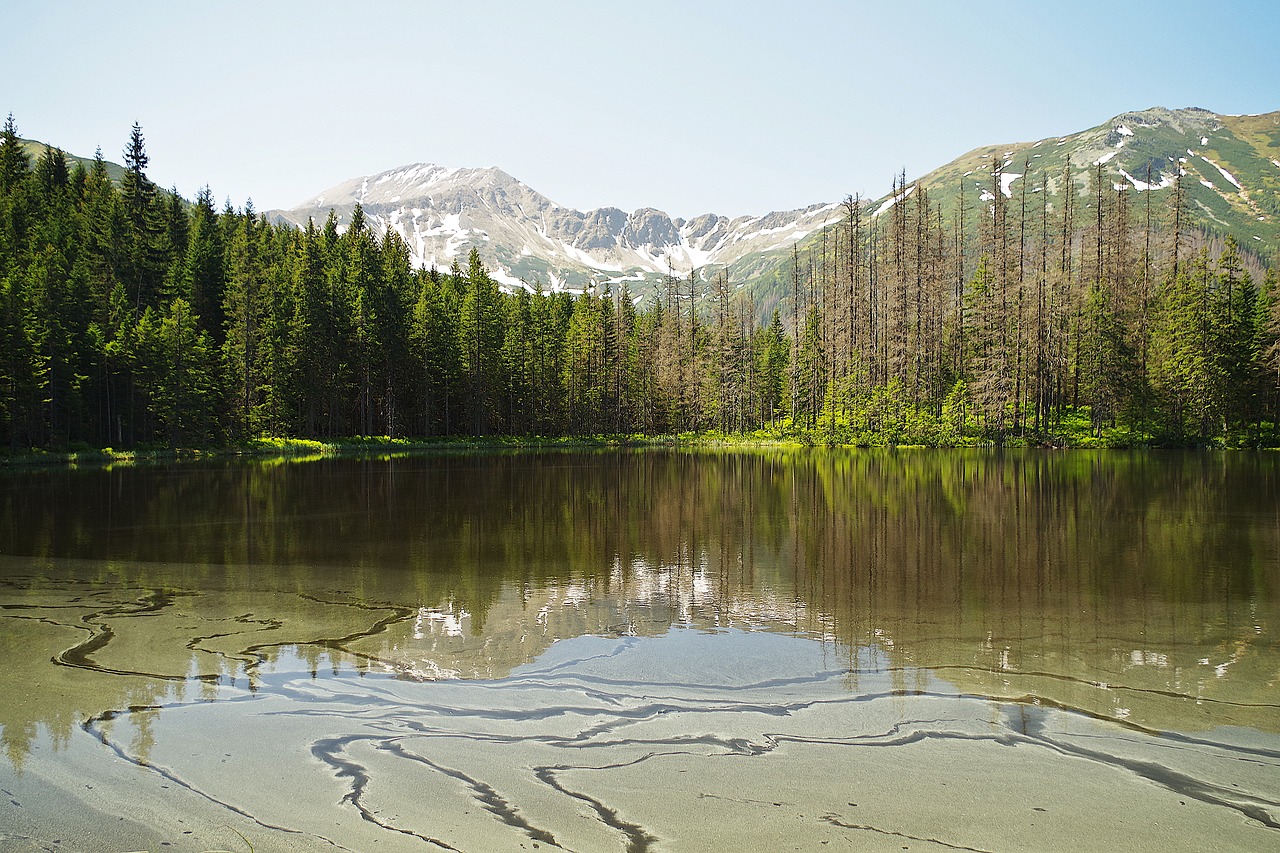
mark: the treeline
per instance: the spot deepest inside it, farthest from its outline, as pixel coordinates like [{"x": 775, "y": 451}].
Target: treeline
[
  {"x": 1041, "y": 313},
  {"x": 130, "y": 316}
]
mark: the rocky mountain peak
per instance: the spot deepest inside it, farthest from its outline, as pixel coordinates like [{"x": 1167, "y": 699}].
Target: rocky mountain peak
[
  {"x": 527, "y": 239},
  {"x": 1230, "y": 166}
]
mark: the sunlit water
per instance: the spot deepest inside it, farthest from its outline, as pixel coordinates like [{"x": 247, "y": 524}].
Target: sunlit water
[{"x": 650, "y": 650}]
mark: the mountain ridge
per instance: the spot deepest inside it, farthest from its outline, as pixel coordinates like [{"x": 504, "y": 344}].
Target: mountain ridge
[
  {"x": 444, "y": 212},
  {"x": 1143, "y": 151},
  {"x": 1233, "y": 163},
  {"x": 34, "y": 149}
]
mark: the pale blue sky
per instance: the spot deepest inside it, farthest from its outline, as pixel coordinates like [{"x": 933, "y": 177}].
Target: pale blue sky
[{"x": 730, "y": 107}]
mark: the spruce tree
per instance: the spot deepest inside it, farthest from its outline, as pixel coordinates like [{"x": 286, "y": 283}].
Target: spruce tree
[
  {"x": 773, "y": 356},
  {"x": 203, "y": 266},
  {"x": 480, "y": 338},
  {"x": 146, "y": 241},
  {"x": 243, "y": 306},
  {"x": 14, "y": 162}
]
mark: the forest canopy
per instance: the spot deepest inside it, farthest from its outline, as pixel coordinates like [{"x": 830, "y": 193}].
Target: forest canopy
[{"x": 129, "y": 316}]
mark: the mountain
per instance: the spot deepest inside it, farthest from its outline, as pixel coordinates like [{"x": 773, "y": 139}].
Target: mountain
[
  {"x": 35, "y": 150},
  {"x": 1231, "y": 166},
  {"x": 526, "y": 238}
]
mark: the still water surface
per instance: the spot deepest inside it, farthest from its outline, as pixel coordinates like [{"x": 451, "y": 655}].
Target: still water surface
[{"x": 644, "y": 651}]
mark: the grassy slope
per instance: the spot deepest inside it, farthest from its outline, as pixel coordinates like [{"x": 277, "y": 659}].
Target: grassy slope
[
  {"x": 35, "y": 150},
  {"x": 1246, "y": 146}
]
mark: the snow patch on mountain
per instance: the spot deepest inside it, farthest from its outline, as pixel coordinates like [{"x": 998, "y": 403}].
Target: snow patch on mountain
[
  {"x": 888, "y": 204},
  {"x": 443, "y": 213},
  {"x": 503, "y": 277},
  {"x": 588, "y": 260},
  {"x": 1006, "y": 183},
  {"x": 525, "y": 238},
  {"x": 1140, "y": 186},
  {"x": 1230, "y": 177}
]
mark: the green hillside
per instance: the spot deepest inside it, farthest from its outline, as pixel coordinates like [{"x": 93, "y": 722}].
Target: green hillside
[
  {"x": 35, "y": 150},
  {"x": 1231, "y": 168},
  {"x": 1231, "y": 181}
]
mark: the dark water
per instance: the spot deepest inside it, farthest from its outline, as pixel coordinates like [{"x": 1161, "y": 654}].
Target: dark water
[{"x": 774, "y": 649}]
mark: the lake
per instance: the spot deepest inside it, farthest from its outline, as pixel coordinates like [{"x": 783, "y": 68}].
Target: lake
[{"x": 773, "y": 649}]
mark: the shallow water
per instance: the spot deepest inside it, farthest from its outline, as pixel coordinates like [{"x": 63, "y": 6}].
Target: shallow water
[{"x": 756, "y": 650}]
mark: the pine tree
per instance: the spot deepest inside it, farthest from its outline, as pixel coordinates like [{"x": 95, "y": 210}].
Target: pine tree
[
  {"x": 203, "y": 280},
  {"x": 586, "y": 377},
  {"x": 773, "y": 355},
  {"x": 127, "y": 315},
  {"x": 436, "y": 354},
  {"x": 392, "y": 300},
  {"x": 177, "y": 232},
  {"x": 544, "y": 367},
  {"x": 243, "y": 307},
  {"x": 992, "y": 384},
  {"x": 14, "y": 204},
  {"x": 311, "y": 345},
  {"x": 629, "y": 374},
  {"x": 1186, "y": 369},
  {"x": 14, "y": 163},
  {"x": 176, "y": 367},
  {"x": 811, "y": 371},
  {"x": 146, "y": 241},
  {"x": 21, "y": 371},
  {"x": 56, "y": 299},
  {"x": 1236, "y": 298},
  {"x": 53, "y": 177},
  {"x": 1268, "y": 347},
  {"x": 611, "y": 413},
  {"x": 517, "y": 363},
  {"x": 480, "y": 338}
]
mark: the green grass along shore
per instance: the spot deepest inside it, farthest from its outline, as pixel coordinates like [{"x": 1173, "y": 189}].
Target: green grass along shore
[{"x": 1081, "y": 435}]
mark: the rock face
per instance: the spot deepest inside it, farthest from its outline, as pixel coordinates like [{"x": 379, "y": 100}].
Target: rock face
[
  {"x": 1230, "y": 167},
  {"x": 528, "y": 240}
]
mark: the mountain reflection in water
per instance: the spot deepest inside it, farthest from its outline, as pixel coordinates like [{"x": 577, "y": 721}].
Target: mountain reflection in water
[{"x": 1140, "y": 590}]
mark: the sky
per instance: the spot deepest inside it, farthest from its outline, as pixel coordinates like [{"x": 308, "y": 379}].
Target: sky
[{"x": 726, "y": 107}]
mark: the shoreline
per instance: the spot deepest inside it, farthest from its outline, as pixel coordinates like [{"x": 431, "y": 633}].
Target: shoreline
[{"x": 300, "y": 449}]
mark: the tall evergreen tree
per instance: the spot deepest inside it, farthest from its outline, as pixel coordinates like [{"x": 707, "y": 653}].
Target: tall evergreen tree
[
  {"x": 14, "y": 162},
  {"x": 585, "y": 366},
  {"x": 773, "y": 355},
  {"x": 480, "y": 338},
  {"x": 243, "y": 307},
  {"x": 203, "y": 269},
  {"x": 146, "y": 241}
]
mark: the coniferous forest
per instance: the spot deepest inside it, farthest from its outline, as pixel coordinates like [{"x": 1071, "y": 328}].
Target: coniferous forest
[{"x": 1054, "y": 314}]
